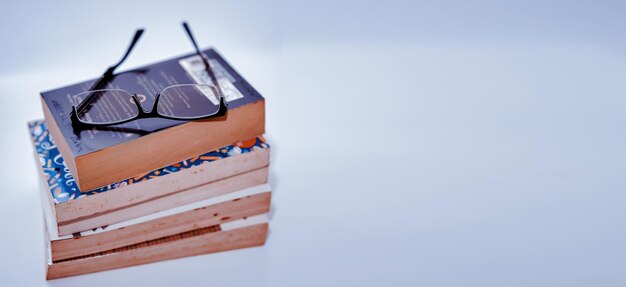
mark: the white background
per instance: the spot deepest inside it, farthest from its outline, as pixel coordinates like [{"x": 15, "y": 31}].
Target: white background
[{"x": 451, "y": 143}]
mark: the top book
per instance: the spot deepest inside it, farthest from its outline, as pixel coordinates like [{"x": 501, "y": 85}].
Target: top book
[{"x": 97, "y": 157}]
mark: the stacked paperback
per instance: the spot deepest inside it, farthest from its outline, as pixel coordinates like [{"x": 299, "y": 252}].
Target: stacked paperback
[{"x": 152, "y": 189}]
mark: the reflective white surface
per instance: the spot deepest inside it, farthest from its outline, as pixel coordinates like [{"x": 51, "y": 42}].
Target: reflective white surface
[{"x": 435, "y": 144}]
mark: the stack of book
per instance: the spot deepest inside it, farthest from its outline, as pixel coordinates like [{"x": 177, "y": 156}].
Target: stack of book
[{"x": 152, "y": 189}]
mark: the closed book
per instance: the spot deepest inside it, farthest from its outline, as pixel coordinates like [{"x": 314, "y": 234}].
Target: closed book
[
  {"x": 98, "y": 157},
  {"x": 241, "y": 233},
  {"x": 201, "y": 177}
]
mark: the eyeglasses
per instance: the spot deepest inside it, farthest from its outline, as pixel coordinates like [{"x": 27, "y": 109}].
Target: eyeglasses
[{"x": 106, "y": 107}]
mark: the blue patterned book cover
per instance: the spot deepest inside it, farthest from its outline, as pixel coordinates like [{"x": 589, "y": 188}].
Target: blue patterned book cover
[{"x": 63, "y": 188}]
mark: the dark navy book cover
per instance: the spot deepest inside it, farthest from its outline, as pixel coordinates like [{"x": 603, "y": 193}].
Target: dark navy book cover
[{"x": 145, "y": 82}]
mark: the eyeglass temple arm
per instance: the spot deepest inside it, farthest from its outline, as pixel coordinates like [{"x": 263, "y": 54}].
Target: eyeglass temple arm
[
  {"x": 108, "y": 74},
  {"x": 204, "y": 60}
]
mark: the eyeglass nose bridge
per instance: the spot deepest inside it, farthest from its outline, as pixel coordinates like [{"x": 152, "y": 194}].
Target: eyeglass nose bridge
[{"x": 140, "y": 108}]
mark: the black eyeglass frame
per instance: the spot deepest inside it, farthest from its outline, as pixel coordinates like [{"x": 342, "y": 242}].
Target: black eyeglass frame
[{"x": 152, "y": 113}]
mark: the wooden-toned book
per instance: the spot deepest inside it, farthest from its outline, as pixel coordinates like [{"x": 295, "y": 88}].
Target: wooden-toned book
[
  {"x": 99, "y": 157},
  {"x": 201, "y": 177},
  {"x": 241, "y": 233}
]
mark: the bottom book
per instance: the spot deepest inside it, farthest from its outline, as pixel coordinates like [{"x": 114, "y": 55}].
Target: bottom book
[
  {"x": 231, "y": 221},
  {"x": 242, "y": 233}
]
